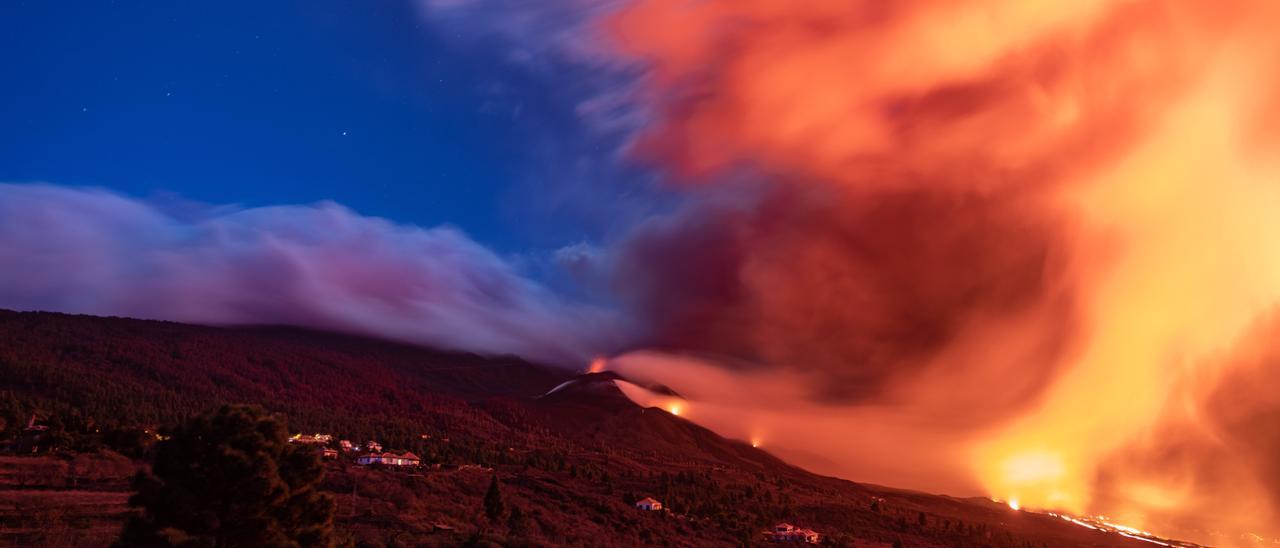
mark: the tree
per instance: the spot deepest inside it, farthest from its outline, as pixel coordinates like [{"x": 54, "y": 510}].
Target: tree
[
  {"x": 516, "y": 521},
  {"x": 493, "y": 506},
  {"x": 230, "y": 478}
]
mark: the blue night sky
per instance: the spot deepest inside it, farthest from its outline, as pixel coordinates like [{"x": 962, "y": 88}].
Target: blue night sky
[{"x": 263, "y": 103}]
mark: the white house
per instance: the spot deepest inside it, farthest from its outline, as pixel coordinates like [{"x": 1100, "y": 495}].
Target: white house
[
  {"x": 648, "y": 504},
  {"x": 785, "y": 532},
  {"x": 392, "y": 459}
]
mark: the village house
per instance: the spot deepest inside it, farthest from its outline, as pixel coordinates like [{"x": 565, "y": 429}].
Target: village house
[
  {"x": 389, "y": 458},
  {"x": 33, "y": 427},
  {"x": 373, "y": 447},
  {"x": 785, "y": 532},
  {"x": 312, "y": 439},
  {"x": 346, "y": 446},
  {"x": 648, "y": 504},
  {"x": 328, "y": 453},
  {"x": 32, "y": 438}
]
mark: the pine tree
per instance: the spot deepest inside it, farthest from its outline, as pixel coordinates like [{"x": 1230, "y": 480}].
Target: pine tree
[
  {"x": 230, "y": 478},
  {"x": 493, "y": 507},
  {"x": 516, "y": 521}
]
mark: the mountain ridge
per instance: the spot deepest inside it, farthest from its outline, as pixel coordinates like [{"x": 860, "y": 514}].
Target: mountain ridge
[{"x": 575, "y": 462}]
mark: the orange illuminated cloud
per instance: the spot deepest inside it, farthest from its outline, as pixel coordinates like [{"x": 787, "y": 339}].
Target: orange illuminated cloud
[{"x": 981, "y": 242}]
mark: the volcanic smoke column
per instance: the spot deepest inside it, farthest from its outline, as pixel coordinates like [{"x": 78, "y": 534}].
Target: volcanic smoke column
[{"x": 998, "y": 245}]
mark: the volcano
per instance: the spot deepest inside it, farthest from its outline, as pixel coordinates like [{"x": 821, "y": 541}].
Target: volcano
[{"x": 572, "y": 451}]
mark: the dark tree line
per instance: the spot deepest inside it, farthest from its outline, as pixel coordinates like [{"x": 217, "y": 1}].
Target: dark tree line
[{"x": 228, "y": 479}]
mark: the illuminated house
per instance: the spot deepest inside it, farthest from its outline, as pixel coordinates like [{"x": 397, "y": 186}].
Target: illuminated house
[
  {"x": 785, "y": 532},
  {"x": 648, "y": 504},
  {"x": 392, "y": 459},
  {"x": 313, "y": 439}
]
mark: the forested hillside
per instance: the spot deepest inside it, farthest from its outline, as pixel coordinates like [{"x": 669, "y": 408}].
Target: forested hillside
[
  {"x": 570, "y": 466},
  {"x": 89, "y": 374}
]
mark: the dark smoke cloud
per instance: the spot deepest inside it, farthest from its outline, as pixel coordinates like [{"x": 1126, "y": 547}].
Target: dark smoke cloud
[
  {"x": 859, "y": 288},
  {"x": 324, "y": 266}
]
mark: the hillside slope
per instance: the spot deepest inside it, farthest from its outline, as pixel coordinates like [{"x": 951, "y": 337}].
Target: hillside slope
[{"x": 572, "y": 463}]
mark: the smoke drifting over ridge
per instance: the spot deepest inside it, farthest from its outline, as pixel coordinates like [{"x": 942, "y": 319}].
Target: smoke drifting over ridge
[{"x": 322, "y": 266}]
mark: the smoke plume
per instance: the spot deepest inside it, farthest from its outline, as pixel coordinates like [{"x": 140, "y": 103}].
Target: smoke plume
[{"x": 991, "y": 246}]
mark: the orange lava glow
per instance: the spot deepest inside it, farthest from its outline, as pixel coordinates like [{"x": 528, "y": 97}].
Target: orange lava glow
[
  {"x": 1080, "y": 317},
  {"x": 598, "y": 364}
]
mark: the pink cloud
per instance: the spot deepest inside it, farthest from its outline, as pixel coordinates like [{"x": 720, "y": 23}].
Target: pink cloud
[{"x": 322, "y": 265}]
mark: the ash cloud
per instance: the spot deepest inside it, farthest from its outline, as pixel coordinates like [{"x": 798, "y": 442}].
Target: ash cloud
[
  {"x": 323, "y": 266},
  {"x": 975, "y": 243}
]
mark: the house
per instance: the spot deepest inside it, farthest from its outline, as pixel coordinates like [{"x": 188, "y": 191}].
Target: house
[
  {"x": 648, "y": 504},
  {"x": 346, "y": 446},
  {"x": 33, "y": 438},
  {"x": 33, "y": 427},
  {"x": 389, "y": 458},
  {"x": 328, "y": 453},
  {"x": 785, "y": 532},
  {"x": 313, "y": 439},
  {"x": 373, "y": 447}
]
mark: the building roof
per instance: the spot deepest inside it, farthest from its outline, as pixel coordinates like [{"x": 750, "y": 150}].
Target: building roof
[
  {"x": 390, "y": 455},
  {"x": 649, "y": 500}
]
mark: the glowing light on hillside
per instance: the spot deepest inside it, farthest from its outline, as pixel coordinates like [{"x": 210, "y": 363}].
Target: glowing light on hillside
[
  {"x": 1014, "y": 504},
  {"x": 755, "y": 442},
  {"x": 597, "y": 364},
  {"x": 674, "y": 409}
]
